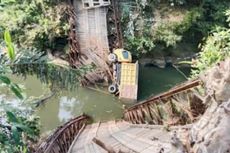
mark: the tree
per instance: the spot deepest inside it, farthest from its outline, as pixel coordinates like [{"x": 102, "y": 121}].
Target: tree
[
  {"x": 18, "y": 127},
  {"x": 215, "y": 49},
  {"x": 148, "y": 25},
  {"x": 37, "y": 23}
]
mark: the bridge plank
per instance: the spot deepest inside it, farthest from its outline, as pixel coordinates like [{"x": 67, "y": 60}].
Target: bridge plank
[
  {"x": 98, "y": 149},
  {"x": 105, "y": 136},
  {"x": 124, "y": 137},
  {"x": 126, "y": 140},
  {"x": 85, "y": 138}
]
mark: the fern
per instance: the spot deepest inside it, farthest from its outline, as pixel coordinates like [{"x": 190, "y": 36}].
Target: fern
[{"x": 31, "y": 62}]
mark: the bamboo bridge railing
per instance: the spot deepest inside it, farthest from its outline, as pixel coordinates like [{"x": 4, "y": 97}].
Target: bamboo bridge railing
[
  {"x": 61, "y": 140},
  {"x": 179, "y": 105}
]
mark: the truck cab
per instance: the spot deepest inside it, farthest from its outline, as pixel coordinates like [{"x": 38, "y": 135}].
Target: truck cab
[{"x": 120, "y": 55}]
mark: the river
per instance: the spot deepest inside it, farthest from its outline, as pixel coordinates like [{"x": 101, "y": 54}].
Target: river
[{"x": 100, "y": 106}]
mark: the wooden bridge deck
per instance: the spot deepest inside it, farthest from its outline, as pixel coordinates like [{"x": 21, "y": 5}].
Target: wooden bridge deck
[
  {"x": 92, "y": 35},
  {"x": 92, "y": 29},
  {"x": 122, "y": 137}
]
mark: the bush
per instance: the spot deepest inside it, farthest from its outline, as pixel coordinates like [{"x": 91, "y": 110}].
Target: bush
[
  {"x": 166, "y": 34},
  {"x": 215, "y": 49},
  {"x": 34, "y": 23},
  {"x": 19, "y": 129},
  {"x": 142, "y": 36}
]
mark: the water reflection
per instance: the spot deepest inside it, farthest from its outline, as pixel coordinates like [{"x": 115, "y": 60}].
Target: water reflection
[
  {"x": 66, "y": 108},
  {"x": 66, "y": 105}
]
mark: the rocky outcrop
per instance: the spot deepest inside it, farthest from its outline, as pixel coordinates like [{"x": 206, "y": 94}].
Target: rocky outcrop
[
  {"x": 157, "y": 62},
  {"x": 210, "y": 134},
  {"x": 217, "y": 82},
  {"x": 162, "y": 62}
]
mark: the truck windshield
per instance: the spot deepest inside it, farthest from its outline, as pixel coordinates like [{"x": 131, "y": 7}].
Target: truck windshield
[{"x": 125, "y": 54}]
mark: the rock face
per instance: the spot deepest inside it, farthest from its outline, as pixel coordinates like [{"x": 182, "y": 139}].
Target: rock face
[
  {"x": 211, "y": 133},
  {"x": 164, "y": 61},
  {"x": 161, "y": 63},
  {"x": 158, "y": 62},
  {"x": 217, "y": 81}
]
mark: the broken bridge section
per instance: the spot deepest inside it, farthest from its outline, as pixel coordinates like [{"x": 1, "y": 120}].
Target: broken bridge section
[{"x": 92, "y": 36}]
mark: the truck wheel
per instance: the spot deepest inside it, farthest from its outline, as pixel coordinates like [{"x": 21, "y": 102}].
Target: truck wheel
[
  {"x": 112, "y": 57},
  {"x": 112, "y": 89}
]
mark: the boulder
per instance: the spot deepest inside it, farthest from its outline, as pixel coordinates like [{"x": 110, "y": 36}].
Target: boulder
[{"x": 160, "y": 62}]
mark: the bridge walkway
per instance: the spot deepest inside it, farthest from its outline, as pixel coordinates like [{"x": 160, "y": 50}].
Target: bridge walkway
[{"x": 122, "y": 137}]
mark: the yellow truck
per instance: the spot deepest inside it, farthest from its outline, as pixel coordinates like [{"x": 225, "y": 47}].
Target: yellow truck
[{"x": 125, "y": 74}]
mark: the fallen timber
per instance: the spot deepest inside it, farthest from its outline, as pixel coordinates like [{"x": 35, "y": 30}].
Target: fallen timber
[
  {"x": 180, "y": 105},
  {"x": 44, "y": 99},
  {"x": 62, "y": 138}
]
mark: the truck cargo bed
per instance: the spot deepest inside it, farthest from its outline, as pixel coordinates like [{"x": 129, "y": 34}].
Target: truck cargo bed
[{"x": 129, "y": 81}]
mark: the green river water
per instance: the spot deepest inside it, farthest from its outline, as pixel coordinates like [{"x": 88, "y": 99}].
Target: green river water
[{"x": 102, "y": 107}]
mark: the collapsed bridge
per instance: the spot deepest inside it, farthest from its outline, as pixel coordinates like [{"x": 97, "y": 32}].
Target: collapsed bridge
[{"x": 95, "y": 31}]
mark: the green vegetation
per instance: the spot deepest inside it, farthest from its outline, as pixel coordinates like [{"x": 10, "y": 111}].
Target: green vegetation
[
  {"x": 166, "y": 24},
  {"x": 29, "y": 61},
  {"x": 41, "y": 24},
  {"x": 215, "y": 49},
  {"x": 137, "y": 20},
  {"x": 19, "y": 129}
]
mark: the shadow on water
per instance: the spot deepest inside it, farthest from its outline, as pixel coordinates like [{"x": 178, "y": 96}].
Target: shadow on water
[
  {"x": 153, "y": 80},
  {"x": 101, "y": 107}
]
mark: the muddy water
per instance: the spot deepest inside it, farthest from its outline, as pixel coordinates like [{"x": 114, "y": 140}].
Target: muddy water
[{"x": 67, "y": 104}]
